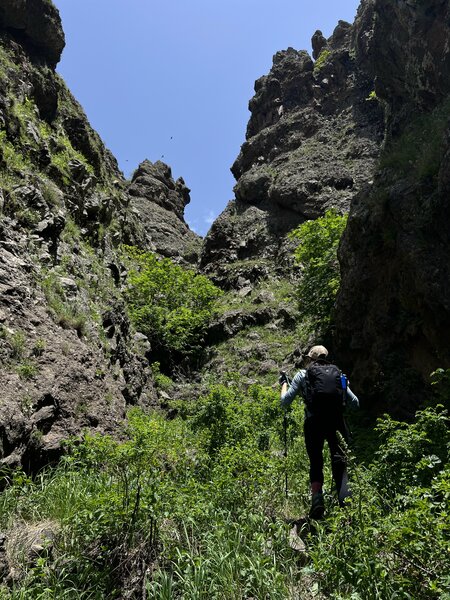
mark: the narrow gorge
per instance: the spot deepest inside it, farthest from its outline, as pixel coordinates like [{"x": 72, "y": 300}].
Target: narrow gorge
[{"x": 360, "y": 129}]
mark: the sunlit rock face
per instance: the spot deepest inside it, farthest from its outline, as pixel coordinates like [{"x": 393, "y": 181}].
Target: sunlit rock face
[
  {"x": 160, "y": 202},
  {"x": 312, "y": 142}
]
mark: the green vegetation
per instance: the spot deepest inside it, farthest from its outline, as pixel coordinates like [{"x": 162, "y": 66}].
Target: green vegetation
[
  {"x": 393, "y": 540},
  {"x": 27, "y": 370},
  {"x": 170, "y": 305},
  {"x": 317, "y": 256},
  {"x": 162, "y": 382},
  {"x": 321, "y": 60},
  {"x": 39, "y": 347},
  {"x": 67, "y": 313},
  {"x": 7, "y": 64},
  {"x": 17, "y": 344},
  {"x": 91, "y": 290},
  {"x": 440, "y": 380},
  {"x": 12, "y": 158},
  {"x": 272, "y": 293},
  {"x": 66, "y": 153},
  {"x": 17, "y": 357},
  {"x": 194, "y": 507}
]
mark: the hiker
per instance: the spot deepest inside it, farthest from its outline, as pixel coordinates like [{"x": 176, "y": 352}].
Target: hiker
[{"x": 325, "y": 392}]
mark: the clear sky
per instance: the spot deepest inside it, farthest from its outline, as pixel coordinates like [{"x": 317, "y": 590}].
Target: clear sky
[{"x": 171, "y": 79}]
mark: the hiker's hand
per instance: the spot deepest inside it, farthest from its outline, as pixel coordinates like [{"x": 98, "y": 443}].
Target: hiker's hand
[{"x": 283, "y": 378}]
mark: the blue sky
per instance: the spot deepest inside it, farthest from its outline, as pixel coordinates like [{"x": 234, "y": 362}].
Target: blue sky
[{"x": 171, "y": 80}]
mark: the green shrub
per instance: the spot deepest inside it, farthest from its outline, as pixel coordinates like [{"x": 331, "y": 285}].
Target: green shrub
[
  {"x": 411, "y": 454},
  {"x": 27, "y": 370},
  {"x": 67, "y": 314},
  {"x": 39, "y": 347},
  {"x": 321, "y": 60},
  {"x": 317, "y": 256},
  {"x": 169, "y": 304},
  {"x": 17, "y": 342},
  {"x": 162, "y": 382},
  {"x": 440, "y": 380}
]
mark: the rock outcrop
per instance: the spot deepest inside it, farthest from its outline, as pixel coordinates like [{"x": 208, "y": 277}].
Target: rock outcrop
[
  {"x": 160, "y": 202},
  {"x": 313, "y": 140},
  {"x": 393, "y": 313},
  {"x": 363, "y": 126},
  {"x": 37, "y": 24},
  {"x": 70, "y": 359}
]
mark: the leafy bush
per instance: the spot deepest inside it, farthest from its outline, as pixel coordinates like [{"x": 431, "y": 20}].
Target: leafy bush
[
  {"x": 317, "y": 256},
  {"x": 169, "y": 304},
  {"x": 411, "y": 454},
  {"x": 440, "y": 380}
]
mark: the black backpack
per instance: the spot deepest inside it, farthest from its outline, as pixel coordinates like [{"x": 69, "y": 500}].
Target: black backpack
[{"x": 325, "y": 396}]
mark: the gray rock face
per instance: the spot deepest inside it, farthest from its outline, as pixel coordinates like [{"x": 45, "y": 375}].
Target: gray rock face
[
  {"x": 70, "y": 359},
  {"x": 160, "y": 202},
  {"x": 318, "y": 42},
  {"x": 313, "y": 140},
  {"x": 393, "y": 313},
  {"x": 54, "y": 379},
  {"x": 36, "y": 22}
]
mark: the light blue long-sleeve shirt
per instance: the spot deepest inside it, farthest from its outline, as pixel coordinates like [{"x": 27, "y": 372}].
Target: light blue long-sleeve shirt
[{"x": 298, "y": 387}]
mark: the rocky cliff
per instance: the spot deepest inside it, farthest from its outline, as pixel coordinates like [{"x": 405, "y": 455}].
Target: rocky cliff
[
  {"x": 361, "y": 125},
  {"x": 393, "y": 313},
  {"x": 312, "y": 143},
  {"x": 69, "y": 358},
  {"x": 160, "y": 202}
]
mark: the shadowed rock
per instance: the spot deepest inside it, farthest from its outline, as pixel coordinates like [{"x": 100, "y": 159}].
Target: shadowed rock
[{"x": 36, "y": 22}]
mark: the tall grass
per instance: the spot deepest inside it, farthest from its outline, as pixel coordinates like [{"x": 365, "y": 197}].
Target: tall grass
[{"x": 194, "y": 507}]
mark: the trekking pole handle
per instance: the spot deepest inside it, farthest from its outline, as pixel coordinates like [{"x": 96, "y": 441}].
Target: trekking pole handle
[{"x": 284, "y": 378}]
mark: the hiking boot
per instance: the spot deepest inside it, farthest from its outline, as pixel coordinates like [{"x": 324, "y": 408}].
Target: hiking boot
[{"x": 317, "y": 506}]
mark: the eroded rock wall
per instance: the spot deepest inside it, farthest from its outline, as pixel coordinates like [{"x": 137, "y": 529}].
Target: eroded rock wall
[
  {"x": 393, "y": 313},
  {"x": 69, "y": 357},
  {"x": 160, "y": 202}
]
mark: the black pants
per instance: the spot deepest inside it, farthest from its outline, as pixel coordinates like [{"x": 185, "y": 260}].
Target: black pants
[{"x": 317, "y": 430}]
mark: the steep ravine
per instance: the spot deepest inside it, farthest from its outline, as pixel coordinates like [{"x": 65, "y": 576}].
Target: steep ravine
[
  {"x": 197, "y": 487},
  {"x": 363, "y": 129},
  {"x": 314, "y": 140}
]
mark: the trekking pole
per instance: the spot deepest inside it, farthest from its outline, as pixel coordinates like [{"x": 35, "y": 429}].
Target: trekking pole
[
  {"x": 285, "y": 426},
  {"x": 285, "y": 455}
]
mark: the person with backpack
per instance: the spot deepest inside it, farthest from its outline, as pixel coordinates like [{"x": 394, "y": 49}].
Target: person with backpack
[{"x": 326, "y": 393}]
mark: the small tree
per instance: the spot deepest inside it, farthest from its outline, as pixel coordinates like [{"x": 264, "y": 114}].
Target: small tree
[
  {"x": 316, "y": 254},
  {"x": 171, "y": 305}
]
